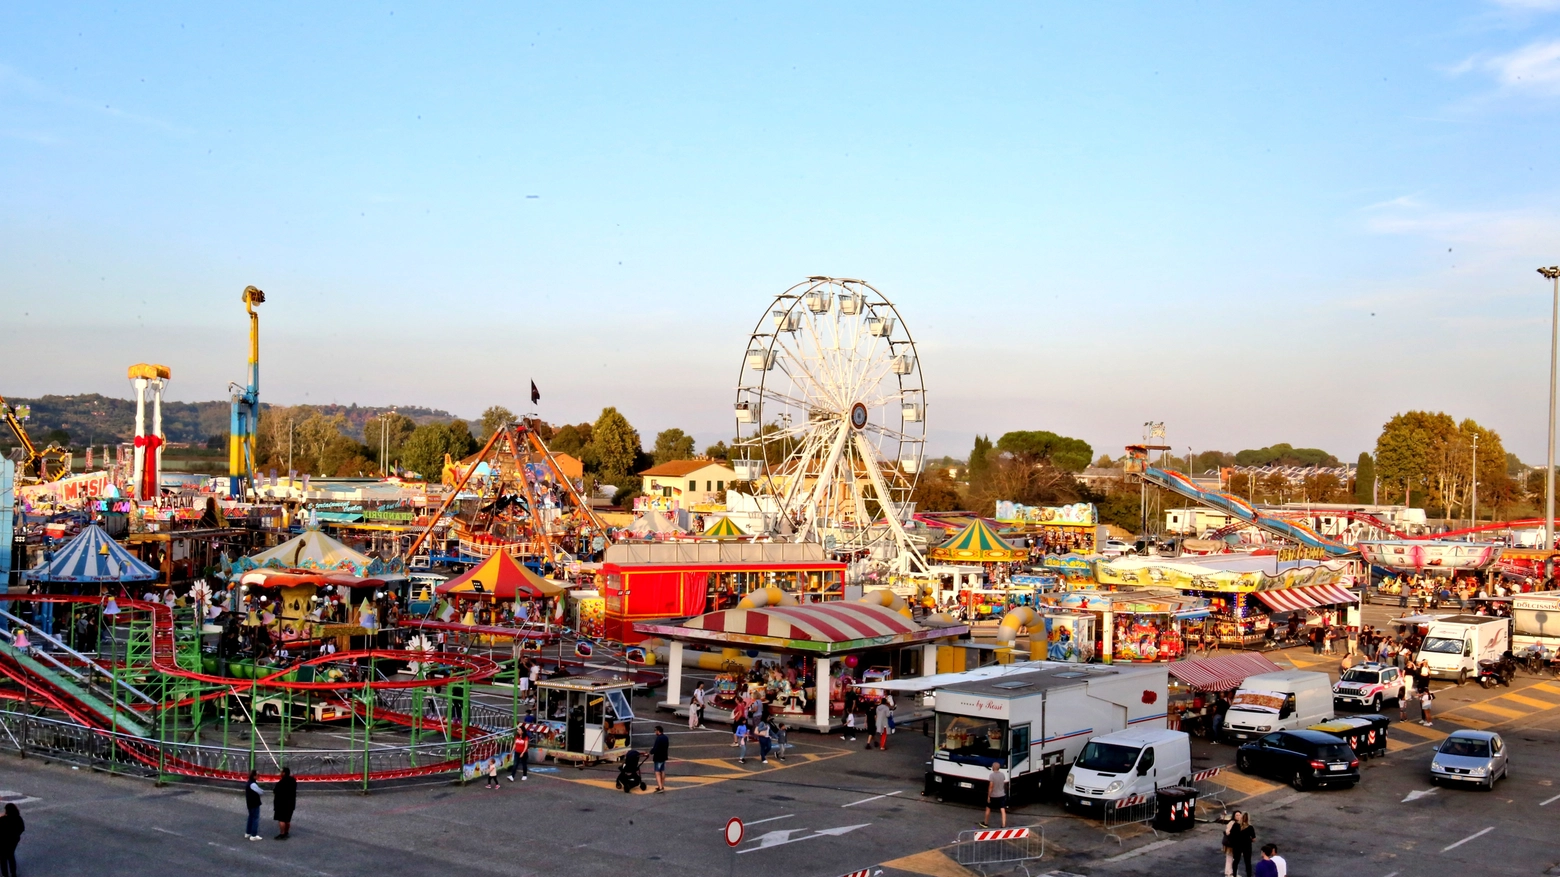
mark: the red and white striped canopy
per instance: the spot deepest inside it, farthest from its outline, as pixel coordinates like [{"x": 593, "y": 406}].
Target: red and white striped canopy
[
  {"x": 815, "y": 622},
  {"x": 1291, "y": 599},
  {"x": 1222, "y": 672}
]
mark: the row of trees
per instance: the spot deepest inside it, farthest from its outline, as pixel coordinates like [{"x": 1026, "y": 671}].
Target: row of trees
[
  {"x": 1034, "y": 467},
  {"x": 1434, "y": 455}
]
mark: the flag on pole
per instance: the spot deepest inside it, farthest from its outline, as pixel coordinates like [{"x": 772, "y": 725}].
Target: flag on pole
[{"x": 536, "y": 395}]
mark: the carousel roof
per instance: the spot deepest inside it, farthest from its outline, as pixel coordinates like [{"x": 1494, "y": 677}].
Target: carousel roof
[
  {"x": 314, "y": 551},
  {"x": 977, "y": 542},
  {"x": 650, "y": 523},
  {"x": 93, "y": 556},
  {"x": 502, "y": 578},
  {"x": 821, "y": 627},
  {"x": 724, "y": 528}
]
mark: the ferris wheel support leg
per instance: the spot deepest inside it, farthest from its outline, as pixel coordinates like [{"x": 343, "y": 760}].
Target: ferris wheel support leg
[
  {"x": 825, "y": 481},
  {"x": 906, "y": 548}
]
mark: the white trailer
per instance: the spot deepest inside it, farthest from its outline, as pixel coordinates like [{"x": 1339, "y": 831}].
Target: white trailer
[
  {"x": 1454, "y": 646},
  {"x": 1536, "y": 621},
  {"x": 1033, "y": 722}
]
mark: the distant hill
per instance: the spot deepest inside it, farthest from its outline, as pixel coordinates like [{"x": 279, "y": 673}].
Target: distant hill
[{"x": 95, "y": 419}]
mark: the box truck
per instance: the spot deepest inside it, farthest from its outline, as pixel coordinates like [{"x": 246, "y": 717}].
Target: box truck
[
  {"x": 1033, "y": 723},
  {"x": 1454, "y": 645},
  {"x": 1279, "y": 701}
]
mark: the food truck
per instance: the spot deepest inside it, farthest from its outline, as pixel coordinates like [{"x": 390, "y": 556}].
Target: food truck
[
  {"x": 1033, "y": 719},
  {"x": 583, "y": 719}
]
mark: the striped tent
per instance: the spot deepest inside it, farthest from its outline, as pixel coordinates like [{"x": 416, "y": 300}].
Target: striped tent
[
  {"x": 502, "y": 578},
  {"x": 314, "y": 551},
  {"x": 817, "y": 622},
  {"x": 93, "y": 556},
  {"x": 977, "y": 543},
  {"x": 724, "y": 529}
]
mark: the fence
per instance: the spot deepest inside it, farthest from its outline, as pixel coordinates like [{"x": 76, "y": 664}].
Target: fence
[
  {"x": 1210, "y": 794},
  {"x": 1131, "y": 810},
  {"x": 146, "y": 757},
  {"x": 980, "y": 849}
]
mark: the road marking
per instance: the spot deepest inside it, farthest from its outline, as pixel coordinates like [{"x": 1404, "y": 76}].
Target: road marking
[
  {"x": 1468, "y": 722},
  {"x": 1158, "y": 844},
  {"x": 873, "y": 798},
  {"x": 1548, "y": 686},
  {"x": 10, "y": 797},
  {"x": 780, "y": 838},
  {"x": 1550, "y": 801},
  {"x": 1396, "y": 745},
  {"x": 1530, "y": 701},
  {"x": 1393, "y": 874},
  {"x": 1420, "y": 730},
  {"x": 1241, "y": 783},
  {"x": 1495, "y": 710},
  {"x": 1468, "y": 838},
  {"x": 770, "y": 819},
  {"x": 1417, "y": 794}
]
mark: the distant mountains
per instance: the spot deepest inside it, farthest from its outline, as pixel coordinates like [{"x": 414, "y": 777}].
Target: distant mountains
[{"x": 95, "y": 419}]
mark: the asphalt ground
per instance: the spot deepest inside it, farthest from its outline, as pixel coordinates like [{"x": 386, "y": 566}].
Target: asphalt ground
[{"x": 830, "y": 808}]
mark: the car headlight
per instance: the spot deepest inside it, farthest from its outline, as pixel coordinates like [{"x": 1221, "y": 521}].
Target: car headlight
[
  {"x": 1478, "y": 771},
  {"x": 1069, "y": 783},
  {"x": 1436, "y": 765},
  {"x": 1265, "y": 728},
  {"x": 1113, "y": 787}
]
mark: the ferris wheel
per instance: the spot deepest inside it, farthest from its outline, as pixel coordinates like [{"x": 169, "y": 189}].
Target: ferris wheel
[{"x": 831, "y": 416}]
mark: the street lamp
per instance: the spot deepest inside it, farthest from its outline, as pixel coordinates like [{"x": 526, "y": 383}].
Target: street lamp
[{"x": 1552, "y": 273}]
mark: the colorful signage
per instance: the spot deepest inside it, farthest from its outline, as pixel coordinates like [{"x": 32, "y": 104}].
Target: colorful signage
[{"x": 1079, "y": 514}]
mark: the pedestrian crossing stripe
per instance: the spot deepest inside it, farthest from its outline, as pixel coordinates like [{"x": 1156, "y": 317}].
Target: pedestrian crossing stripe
[
  {"x": 1469, "y": 722},
  {"x": 1395, "y": 744},
  {"x": 1549, "y": 687},
  {"x": 1420, "y": 730},
  {"x": 1494, "y": 710},
  {"x": 1530, "y": 701}
]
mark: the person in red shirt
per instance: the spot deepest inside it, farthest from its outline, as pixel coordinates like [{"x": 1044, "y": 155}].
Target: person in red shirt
[{"x": 522, "y": 762}]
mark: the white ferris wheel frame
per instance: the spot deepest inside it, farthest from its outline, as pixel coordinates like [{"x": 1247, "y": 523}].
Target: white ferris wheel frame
[{"x": 833, "y": 368}]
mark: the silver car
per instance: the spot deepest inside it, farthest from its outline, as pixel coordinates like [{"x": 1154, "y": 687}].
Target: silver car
[{"x": 1470, "y": 757}]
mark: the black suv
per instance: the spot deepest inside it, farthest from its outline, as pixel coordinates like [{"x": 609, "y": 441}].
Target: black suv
[{"x": 1303, "y": 758}]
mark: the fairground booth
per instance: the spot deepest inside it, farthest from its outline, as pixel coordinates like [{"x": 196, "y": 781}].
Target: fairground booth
[
  {"x": 500, "y": 597},
  {"x": 90, "y": 564},
  {"x": 1195, "y": 686},
  {"x": 804, "y": 660},
  {"x": 1067, "y": 529},
  {"x": 1245, "y": 593},
  {"x": 673, "y": 580},
  {"x": 1136, "y": 626}
]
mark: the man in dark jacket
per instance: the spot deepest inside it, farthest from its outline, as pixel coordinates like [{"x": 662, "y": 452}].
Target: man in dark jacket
[
  {"x": 285, "y": 798},
  {"x": 658, "y": 752},
  {"x": 252, "y": 793}
]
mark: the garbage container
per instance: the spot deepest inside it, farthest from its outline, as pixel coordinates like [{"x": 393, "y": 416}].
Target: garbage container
[{"x": 1177, "y": 809}]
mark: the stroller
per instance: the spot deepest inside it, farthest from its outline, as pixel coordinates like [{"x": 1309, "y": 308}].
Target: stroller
[{"x": 629, "y": 774}]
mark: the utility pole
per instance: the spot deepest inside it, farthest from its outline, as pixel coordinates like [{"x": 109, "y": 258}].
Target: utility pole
[
  {"x": 1552, "y": 274},
  {"x": 1473, "y": 520}
]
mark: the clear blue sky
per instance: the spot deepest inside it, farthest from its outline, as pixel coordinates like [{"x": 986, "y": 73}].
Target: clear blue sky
[{"x": 1256, "y": 222}]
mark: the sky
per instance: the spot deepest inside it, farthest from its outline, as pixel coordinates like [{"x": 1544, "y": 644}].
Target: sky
[{"x": 1257, "y": 223}]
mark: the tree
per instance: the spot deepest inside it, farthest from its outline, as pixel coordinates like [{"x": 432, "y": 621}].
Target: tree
[
  {"x": 1104, "y": 462},
  {"x": 494, "y": 419},
  {"x": 614, "y": 446},
  {"x": 1365, "y": 479},
  {"x": 1282, "y": 454},
  {"x": 58, "y": 437},
  {"x": 935, "y": 492},
  {"x": 1011, "y": 478},
  {"x": 980, "y": 458},
  {"x": 672, "y": 444},
  {"x": 1409, "y": 447},
  {"x": 1035, "y": 446},
  {"x": 425, "y": 449},
  {"x": 718, "y": 451},
  {"x": 571, "y": 440}
]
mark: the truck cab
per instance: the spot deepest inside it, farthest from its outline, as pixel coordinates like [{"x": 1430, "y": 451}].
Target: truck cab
[{"x": 1134, "y": 762}]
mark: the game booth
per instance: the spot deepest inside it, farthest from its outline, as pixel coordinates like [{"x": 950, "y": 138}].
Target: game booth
[
  {"x": 1139, "y": 626},
  {"x": 803, "y": 660}
]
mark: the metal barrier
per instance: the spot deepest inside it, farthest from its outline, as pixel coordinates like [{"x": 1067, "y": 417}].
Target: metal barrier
[
  {"x": 980, "y": 848},
  {"x": 1131, "y": 810},
  {"x": 1210, "y": 792}
]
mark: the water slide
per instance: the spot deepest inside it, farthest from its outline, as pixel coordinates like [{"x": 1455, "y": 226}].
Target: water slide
[{"x": 1177, "y": 483}]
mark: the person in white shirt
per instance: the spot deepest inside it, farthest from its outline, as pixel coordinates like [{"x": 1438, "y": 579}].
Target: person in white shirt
[
  {"x": 996, "y": 794},
  {"x": 1278, "y": 861}
]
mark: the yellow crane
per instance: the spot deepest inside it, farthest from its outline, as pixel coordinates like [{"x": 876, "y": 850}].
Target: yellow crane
[{"x": 50, "y": 464}]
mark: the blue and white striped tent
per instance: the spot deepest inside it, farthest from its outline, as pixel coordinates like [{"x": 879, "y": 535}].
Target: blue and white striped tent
[{"x": 93, "y": 556}]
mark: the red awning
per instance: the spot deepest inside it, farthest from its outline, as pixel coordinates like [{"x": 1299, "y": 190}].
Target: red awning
[
  {"x": 1222, "y": 673},
  {"x": 1291, "y": 599}
]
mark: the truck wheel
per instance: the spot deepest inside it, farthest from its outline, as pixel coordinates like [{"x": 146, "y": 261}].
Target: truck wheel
[
  {"x": 1462, "y": 676},
  {"x": 1375, "y": 704}
]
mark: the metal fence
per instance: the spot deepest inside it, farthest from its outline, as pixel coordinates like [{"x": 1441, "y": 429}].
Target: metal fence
[
  {"x": 982, "y": 849},
  {"x": 140, "y": 756},
  {"x": 1131, "y": 810},
  {"x": 1210, "y": 796}
]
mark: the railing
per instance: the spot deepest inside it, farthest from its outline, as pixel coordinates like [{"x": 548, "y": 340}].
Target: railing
[
  {"x": 1210, "y": 793},
  {"x": 1131, "y": 810},
  {"x": 141, "y": 756},
  {"x": 1008, "y": 847}
]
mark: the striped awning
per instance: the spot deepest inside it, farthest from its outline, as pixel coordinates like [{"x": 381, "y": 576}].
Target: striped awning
[
  {"x": 1222, "y": 673},
  {"x": 978, "y": 543},
  {"x": 817, "y": 622},
  {"x": 1292, "y": 599},
  {"x": 93, "y": 556}
]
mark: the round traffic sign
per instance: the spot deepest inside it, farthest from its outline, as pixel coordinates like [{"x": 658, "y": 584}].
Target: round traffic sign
[{"x": 733, "y": 832}]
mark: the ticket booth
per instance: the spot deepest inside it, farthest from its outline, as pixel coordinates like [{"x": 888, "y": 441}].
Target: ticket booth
[{"x": 584, "y": 718}]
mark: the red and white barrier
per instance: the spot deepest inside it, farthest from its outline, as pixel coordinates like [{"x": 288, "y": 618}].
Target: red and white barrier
[
  {"x": 999, "y": 834},
  {"x": 1201, "y": 775},
  {"x": 1131, "y": 801}
]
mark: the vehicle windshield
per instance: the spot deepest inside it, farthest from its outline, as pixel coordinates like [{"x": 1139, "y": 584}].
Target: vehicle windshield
[
  {"x": 1442, "y": 645},
  {"x": 1108, "y": 758},
  {"x": 972, "y": 738},
  {"x": 1352, "y": 675},
  {"x": 1466, "y": 746},
  {"x": 1335, "y": 752}
]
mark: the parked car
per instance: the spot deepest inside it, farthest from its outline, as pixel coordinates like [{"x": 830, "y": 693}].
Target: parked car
[
  {"x": 1369, "y": 685},
  {"x": 1115, "y": 548},
  {"x": 1303, "y": 758},
  {"x": 1477, "y": 757}
]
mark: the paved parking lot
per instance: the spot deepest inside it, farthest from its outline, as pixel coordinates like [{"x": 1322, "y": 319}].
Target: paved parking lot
[{"x": 830, "y": 808}]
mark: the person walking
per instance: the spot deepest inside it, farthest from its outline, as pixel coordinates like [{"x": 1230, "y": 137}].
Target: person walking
[
  {"x": 696, "y": 707},
  {"x": 284, "y": 799},
  {"x": 741, "y": 733},
  {"x": 996, "y": 795},
  {"x": 522, "y": 762},
  {"x": 1239, "y": 836},
  {"x": 872, "y": 723},
  {"x": 761, "y": 731},
  {"x": 884, "y": 715},
  {"x": 490, "y": 781},
  {"x": 658, "y": 752},
  {"x": 252, "y": 793},
  {"x": 777, "y": 731},
  {"x": 850, "y": 727},
  {"x": 1425, "y": 700},
  {"x": 1280, "y": 867},
  {"x": 1265, "y": 866},
  {"x": 11, "y": 828}
]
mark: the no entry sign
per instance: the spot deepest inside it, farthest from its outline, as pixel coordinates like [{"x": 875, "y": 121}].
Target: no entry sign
[{"x": 733, "y": 832}]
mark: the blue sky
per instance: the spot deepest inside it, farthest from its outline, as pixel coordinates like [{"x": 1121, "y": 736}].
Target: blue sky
[{"x": 1255, "y": 223}]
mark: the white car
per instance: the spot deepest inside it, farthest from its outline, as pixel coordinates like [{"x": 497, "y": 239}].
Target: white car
[
  {"x": 1368, "y": 686},
  {"x": 1115, "y": 548}
]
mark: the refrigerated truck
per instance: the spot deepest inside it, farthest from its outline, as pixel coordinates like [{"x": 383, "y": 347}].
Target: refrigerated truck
[
  {"x": 1454, "y": 646},
  {"x": 1034, "y": 723}
]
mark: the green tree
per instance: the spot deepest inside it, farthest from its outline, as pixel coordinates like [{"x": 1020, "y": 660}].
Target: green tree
[
  {"x": 495, "y": 418},
  {"x": 1409, "y": 448},
  {"x": 672, "y": 444},
  {"x": 614, "y": 446},
  {"x": 980, "y": 458},
  {"x": 1365, "y": 479},
  {"x": 571, "y": 440},
  {"x": 936, "y": 492},
  {"x": 424, "y": 450},
  {"x": 718, "y": 451},
  {"x": 1282, "y": 454},
  {"x": 1035, "y": 446}
]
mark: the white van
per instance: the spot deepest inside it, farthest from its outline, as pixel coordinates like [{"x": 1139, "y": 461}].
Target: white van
[
  {"x": 1281, "y": 701},
  {"x": 1133, "y": 762},
  {"x": 1455, "y": 645}
]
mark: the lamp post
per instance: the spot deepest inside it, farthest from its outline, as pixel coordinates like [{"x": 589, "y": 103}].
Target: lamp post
[
  {"x": 1552, "y": 273},
  {"x": 1473, "y": 519}
]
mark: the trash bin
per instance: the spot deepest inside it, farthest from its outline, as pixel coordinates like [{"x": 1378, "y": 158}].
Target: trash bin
[{"x": 1177, "y": 809}]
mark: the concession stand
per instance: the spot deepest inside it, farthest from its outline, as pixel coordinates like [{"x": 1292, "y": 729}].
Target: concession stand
[{"x": 1135, "y": 626}]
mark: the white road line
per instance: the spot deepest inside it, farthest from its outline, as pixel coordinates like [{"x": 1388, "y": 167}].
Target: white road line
[
  {"x": 1393, "y": 874},
  {"x": 770, "y": 819},
  {"x": 1158, "y": 844},
  {"x": 873, "y": 798},
  {"x": 1468, "y": 838},
  {"x": 1550, "y": 801}
]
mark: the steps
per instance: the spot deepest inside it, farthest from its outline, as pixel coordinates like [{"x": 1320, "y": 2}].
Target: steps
[{"x": 70, "y": 688}]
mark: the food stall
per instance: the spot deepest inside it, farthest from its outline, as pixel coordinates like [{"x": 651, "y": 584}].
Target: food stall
[
  {"x": 583, "y": 719},
  {"x": 1137, "y": 626},
  {"x": 1067, "y": 529},
  {"x": 1196, "y": 684}
]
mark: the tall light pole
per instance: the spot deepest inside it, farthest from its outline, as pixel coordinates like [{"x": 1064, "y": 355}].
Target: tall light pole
[
  {"x": 1473, "y": 519},
  {"x": 1553, "y": 274}
]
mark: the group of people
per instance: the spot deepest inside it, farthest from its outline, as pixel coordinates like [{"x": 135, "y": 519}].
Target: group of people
[
  {"x": 1237, "y": 841},
  {"x": 284, "y": 800}
]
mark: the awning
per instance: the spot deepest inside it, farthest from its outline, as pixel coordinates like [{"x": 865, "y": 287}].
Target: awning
[
  {"x": 1291, "y": 599},
  {"x": 1222, "y": 673},
  {"x": 1190, "y": 614}
]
